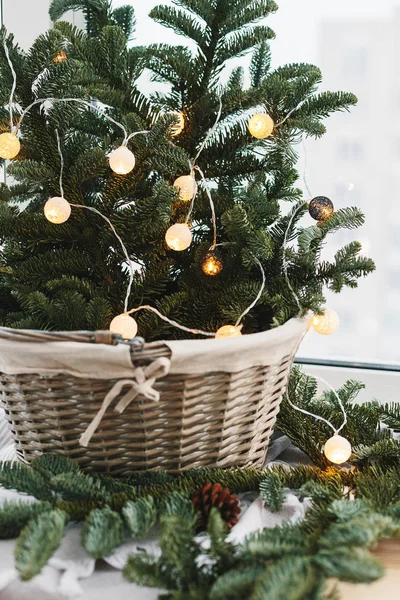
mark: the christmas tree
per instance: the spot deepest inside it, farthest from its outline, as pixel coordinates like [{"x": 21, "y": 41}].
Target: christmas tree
[{"x": 75, "y": 275}]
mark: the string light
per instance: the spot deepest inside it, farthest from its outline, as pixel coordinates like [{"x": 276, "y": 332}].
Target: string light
[
  {"x": 261, "y": 126},
  {"x": 228, "y": 331},
  {"x": 337, "y": 449},
  {"x": 321, "y": 208},
  {"x": 186, "y": 187},
  {"x": 125, "y": 326},
  {"x": 9, "y": 146},
  {"x": 327, "y": 323},
  {"x": 60, "y": 57},
  {"x": 177, "y": 128},
  {"x": 179, "y": 237},
  {"x": 212, "y": 264},
  {"x": 57, "y": 210},
  {"x": 122, "y": 160}
]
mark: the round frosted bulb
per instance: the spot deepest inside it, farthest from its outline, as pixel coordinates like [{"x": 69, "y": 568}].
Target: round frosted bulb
[
  {"x": 327, "y": 323},
  {"x": 178, "y": 126},
  {"x": 122, "y": 160},
  {"x": 125, "y": 326},
  {"x": 9, "y": 146},
  {"x": 337, "y": 450},
  {"x": 261, "y": 126},
  {"x": 228, "y": 331},
  {"x": 186, "y": 187},
  {"x": 179, "y": 237},
  {"x": 57, "y": 210}
]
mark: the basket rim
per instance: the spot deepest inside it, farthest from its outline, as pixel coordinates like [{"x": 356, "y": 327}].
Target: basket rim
[{"x": 138, "y": 343}]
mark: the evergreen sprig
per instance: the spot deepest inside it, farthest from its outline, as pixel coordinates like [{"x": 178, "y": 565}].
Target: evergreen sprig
[
  {"x": 74, "y": 276},
  {"x": 333, "y": 540}
]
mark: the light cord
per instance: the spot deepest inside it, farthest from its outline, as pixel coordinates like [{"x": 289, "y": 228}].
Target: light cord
[
  {"x": 14, "y": 85},
  {"x": 125, "y": 251},
  {"x": 210, "y": 133},
  {"x": 212, "y": 206},
  {"x": 78, "y": 101},
  {"x": 257, "y": 299},
  {"x": 290, "y": 114},
  {"x": 61, "y": 163},
  {"x": 318, "y": 417},
  {"x": 97, "y": 212},
  {"x": 170, "y": 321},
  {"x": 305, "y": 167},
  {"x": 285, "y": 262}
]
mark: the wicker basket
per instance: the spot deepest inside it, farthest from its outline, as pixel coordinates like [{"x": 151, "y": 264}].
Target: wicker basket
[{"x": 209, "y": 419}]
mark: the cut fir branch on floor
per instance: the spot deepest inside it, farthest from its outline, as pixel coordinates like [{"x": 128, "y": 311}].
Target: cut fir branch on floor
[
  {"x": 333, "y": 540},
  {"x": 74, "y": 275}
]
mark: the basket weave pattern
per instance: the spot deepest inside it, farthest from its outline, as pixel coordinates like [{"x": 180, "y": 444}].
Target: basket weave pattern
[{"x": 214, "y": 419}]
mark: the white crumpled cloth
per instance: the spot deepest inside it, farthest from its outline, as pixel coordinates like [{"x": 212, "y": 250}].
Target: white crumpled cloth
[{"x": 72, "y": 573}]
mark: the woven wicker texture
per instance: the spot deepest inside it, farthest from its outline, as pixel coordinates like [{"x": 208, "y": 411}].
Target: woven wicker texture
[{"x": 213, "y": 419}]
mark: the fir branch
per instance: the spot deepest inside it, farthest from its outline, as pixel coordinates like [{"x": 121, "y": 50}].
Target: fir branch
[{"x": 38, "y": 541}]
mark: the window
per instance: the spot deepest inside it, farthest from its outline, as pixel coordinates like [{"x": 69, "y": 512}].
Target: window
[{"x": 350, "y": 150}]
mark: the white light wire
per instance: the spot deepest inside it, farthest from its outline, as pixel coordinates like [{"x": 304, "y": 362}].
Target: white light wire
[
  {"x": 257, "y": 299},
  {"x": 14, "y": 85},
  {"x": 125, "y": 251},
  {"x": 319, "y": 418},
  {"x": 285, "y": 262},
  {"x": 90, "y": 105},
  {"x": 94, "y": 210},
  {"x": 61, "y": 163}
]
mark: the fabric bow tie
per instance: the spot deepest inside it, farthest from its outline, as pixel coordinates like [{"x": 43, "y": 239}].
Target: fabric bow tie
[{"x": 141, "y": 384}]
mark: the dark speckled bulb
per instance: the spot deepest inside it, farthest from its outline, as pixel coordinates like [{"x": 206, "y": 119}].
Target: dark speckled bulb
[{"x": 321, "y": 208}]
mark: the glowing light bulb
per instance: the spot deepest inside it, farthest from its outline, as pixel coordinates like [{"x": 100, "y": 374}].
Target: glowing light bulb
[
  {"x": 186, "y": 187},
  {"x": 212, "y": 265},
  {"x": 122, "y": 160},
  {"x": 9, "y": 146},
  {"x": 337, "y": 449},
  {"x": 179, "y": 237},
  {"x": 60, "y": 57},
  {"x": 177, "y": 128},
  {"x": 125, "y": 326},
  {"x": 327, "y": 323},
  {"x": 261, "y": 126},
  {"x": 57, "y": 210},
  {"x": 228, "y": 331},
  {"x": 321, "y": 208}
]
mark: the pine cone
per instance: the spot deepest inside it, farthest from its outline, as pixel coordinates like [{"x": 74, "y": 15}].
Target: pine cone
[{"x": 215, "y": 496}]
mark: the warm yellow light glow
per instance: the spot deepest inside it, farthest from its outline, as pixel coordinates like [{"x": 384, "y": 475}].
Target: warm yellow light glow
[
  {"x": 177, "y": 128},
  {"x": 125, "y": 326},
  {"x": 186, "y": 187},
  {"x": 326, "y": 323},
  {"x": 337, "y": 450},
  {"x": 179, "y": 237},
  {"x": 57, "y": 210},
  {"x": 261, "y": 126},
  {"x": 228, "y": 331},
  {"x": 9, "y": 146},
  {"x": 122, "y": 160},
  {"x": 60, "y": 57},
  {"x": 212, "y": 265}
]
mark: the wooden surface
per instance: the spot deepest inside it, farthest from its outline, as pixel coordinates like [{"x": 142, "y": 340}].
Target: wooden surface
[{"x": 387, "y": 588}]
